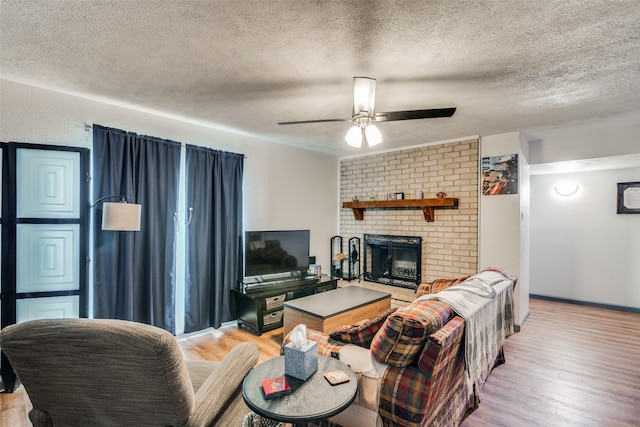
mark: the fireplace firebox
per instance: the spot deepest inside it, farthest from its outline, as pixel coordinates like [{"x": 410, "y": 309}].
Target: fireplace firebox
[{"x": 393, "y": 260}]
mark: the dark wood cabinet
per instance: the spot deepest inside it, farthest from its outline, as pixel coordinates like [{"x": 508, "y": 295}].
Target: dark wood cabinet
[{"x": 260, "y": 309}]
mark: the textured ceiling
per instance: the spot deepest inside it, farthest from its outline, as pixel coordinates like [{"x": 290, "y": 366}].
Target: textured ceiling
[{"x": 245, "y": 65}]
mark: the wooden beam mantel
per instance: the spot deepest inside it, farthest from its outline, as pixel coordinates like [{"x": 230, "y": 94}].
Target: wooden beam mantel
[{"x": 427, "y": 206}]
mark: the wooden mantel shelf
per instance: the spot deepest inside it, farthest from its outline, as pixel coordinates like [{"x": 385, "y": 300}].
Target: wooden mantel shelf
[{"x": 427, "y": 206}]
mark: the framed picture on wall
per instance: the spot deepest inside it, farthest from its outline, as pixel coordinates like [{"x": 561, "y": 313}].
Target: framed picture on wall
[
  {"x": 628, "y": 198},
  {"x": 500, "y": 175}
]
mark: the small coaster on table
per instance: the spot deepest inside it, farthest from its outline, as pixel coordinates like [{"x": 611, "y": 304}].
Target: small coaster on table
[{"x": 336, "y": 377}]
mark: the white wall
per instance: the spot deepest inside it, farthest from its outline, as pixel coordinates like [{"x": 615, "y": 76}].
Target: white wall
[
  {"x": 615, "y": 136},
  {"x": 502, "y": 231},
  {"x": 524, "y": 278},
  {"x": 284, "y": 187},
  {"x": 289, "y": 188},
  {"x": 580, "y": 248}
]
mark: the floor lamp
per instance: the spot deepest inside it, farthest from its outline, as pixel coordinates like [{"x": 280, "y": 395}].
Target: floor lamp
[{"x": 120, "y": 216}]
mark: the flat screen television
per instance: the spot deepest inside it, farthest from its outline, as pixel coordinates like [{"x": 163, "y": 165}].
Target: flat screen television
[{"x": 275, "y": 252}]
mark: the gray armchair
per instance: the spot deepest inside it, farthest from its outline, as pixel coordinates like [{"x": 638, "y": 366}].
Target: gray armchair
[{"x": 89, "y": 372}]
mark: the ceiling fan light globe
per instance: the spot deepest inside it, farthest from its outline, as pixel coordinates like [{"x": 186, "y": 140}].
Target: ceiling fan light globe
[
  {"x": 374, "y": 137},
  {"x": 364, "y": 94},
  {"x": 354, "y": 137}
]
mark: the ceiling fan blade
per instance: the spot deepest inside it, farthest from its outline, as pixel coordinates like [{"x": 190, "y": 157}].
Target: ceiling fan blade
[
  {"x": 314, "y": 121},
  {"x": 414, "y": 114}
]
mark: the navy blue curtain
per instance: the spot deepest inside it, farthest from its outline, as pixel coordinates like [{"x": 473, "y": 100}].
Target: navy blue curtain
[
  {"x": 214, "y": 235},
  {"x": 133, "y": 271}
]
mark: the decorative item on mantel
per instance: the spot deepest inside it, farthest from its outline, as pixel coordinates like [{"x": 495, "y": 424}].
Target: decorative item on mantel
[
  {"x": 419, "y": 194},
  {"x": 301, "y": 354},
  {"x": 441, "y": 195},
  {"x": 395, "y": 195}
]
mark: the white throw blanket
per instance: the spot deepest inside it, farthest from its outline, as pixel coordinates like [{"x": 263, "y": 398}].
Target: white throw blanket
[{"x": 485, "y": 302}]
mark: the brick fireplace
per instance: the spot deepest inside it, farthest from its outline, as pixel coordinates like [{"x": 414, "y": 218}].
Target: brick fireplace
[
  {"x": 393, "y": 260},
  {"x": 450, "y": 242}
]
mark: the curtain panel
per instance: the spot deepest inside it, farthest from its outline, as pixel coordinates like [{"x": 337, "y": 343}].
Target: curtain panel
[
  {"x": 134, "y": 272},
  {"x": 214, "y": 235}
]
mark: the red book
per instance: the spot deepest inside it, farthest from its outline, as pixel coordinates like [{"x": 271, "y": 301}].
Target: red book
[{"x": 275, "y": 387}]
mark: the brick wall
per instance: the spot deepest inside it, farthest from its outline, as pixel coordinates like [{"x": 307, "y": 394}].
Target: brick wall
[{"x": 450, "y": 243}]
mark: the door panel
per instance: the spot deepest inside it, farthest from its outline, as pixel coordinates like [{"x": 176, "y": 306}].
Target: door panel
[
  {"x": 48, "y": 257},
  {"x": 48, "y": 184},
  {"x": 47, "y": 308}
]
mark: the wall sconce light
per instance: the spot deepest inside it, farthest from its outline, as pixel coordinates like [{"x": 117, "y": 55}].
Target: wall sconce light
[
  {"x": 120, "y": 216},
  {"x": 566, "y": 189}
]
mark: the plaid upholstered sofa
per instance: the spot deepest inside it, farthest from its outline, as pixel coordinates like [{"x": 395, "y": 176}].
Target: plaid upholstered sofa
[{"x": 410, "y": 362}]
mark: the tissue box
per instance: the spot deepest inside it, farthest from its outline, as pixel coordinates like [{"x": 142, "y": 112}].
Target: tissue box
[{"x": 301, "y": 363}]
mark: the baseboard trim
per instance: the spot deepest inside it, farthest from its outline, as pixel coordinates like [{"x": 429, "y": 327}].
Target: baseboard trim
[
  {"x": 517, "y": 327},
  {"x": 587, "y": 303}
]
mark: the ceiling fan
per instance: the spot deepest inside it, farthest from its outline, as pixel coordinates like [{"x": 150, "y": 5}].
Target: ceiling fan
[{"x": 364, "y": 115}]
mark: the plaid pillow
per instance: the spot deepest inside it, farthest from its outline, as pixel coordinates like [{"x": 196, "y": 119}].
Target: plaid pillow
[
  {"x": 402, "y": 337},
  {"x": 360, "y": 333},
  {"x": 438, "y": 285}
]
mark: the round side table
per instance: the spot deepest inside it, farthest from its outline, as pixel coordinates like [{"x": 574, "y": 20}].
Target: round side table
[{"x": 311, "y": 400}]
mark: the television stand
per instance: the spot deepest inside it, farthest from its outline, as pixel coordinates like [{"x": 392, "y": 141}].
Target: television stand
[{"x": 260, "y": 308}]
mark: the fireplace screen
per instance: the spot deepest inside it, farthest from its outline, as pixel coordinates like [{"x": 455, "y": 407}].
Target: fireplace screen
[{"x": 393, "y": 260}]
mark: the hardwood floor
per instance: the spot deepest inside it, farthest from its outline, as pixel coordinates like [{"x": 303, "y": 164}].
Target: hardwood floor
[
  {"x": 214, "y": 344},
  {"x": 570, "y": 366}
]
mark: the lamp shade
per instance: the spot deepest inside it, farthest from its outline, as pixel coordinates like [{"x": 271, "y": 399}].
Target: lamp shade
[
  {"x": 374, "y": 137},
  {"x": 354, "y": 137},
  {"x": 364, "y": 95},
  {"x": 121, "y": 216}
]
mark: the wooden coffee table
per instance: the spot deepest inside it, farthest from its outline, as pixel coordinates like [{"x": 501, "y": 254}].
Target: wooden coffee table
[
  {"x": 327, "y": 311},
  {"x": 311, "y": 400}
]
